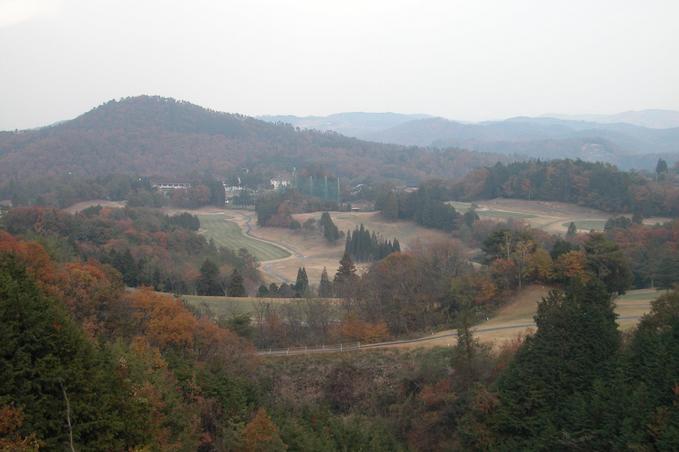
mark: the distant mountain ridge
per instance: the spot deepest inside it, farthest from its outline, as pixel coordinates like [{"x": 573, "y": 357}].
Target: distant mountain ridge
[
  {"x": 355, "y": 124},
  {"x": 162, "y": 137},
  {"x": 624, "y": 144},
  {"x": 653, "y": 119}
]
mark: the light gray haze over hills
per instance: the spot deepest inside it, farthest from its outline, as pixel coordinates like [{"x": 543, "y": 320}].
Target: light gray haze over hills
[{"x": 461, "y": 60}]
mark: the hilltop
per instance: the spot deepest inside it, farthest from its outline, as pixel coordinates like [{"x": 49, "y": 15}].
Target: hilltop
[{"x": 155, "y": 136}]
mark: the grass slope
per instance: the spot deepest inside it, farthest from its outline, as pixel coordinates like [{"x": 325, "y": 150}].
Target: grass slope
[
  {"x": 230, "y": 235},
  {"x": 227, "y": 306}
]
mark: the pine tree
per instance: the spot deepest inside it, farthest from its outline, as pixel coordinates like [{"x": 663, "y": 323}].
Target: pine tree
[
  {"x": 325, "y": 286},
  {"x": 364, "y": 245},
  {"x": 467, "y": 348},
  {"x": 607, "y": 261},
  {"x": 57, "y": 376},
  {"x": 541, "y": 391},
  {"x": 390, "y": 209},
  {"x": 572, "y": 230},
  {"x": 236, "y": 287},
  {"x": 302, "y": 282},
  {"x": 263, "y": 291},
  {"x": 346, "y": 277},
  {"x": 647, "y": 384},
  {"x": 208, "y": 283},
  {"x": 660, "y": 168},
  {"x": 330, "y": 231},
  {"x": 667, "y": 273}
]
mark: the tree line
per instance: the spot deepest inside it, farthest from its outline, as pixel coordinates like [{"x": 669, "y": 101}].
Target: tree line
[
  {"x": 598, "y": 185},
  {"x": 147, "y": 247},
  {"x": 426, "y": 205}
]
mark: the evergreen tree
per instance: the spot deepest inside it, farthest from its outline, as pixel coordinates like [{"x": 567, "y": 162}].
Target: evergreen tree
[
  {"x": 541, "y": 392},
  {"x": 645, "y": 396},
  {"x": 302, "y": 282},
  {"x": 560, "y": 247},
  {"x": 67, "y": 389},
  {"x": 572, "y": 230},
  {"x": 667, "y": 274},
  {"x": 330, "y": 231},
  {"x": 346, "y": 277},
  {"x": 363, "y": 245},
  {"x": 217, "y": 193},
  {"x": 637, "y": 218},
  {"x": 390, "y": 208},
  {"x": 208, "y": 283},
  {"x": 470, "y": 217},
  {"x": 608, "y": 263},
  {"x": 660, "y": 168},
  {"x": 236, "y": 286},
  {"x": 325, "y": 286},
  {"x": 263, "y": 291}
]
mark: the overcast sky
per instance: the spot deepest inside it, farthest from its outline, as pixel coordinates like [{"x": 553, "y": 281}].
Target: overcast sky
[{"x": 466, "y": 60}]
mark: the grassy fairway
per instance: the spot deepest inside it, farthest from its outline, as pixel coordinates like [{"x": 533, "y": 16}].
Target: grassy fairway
[
  {"x": 587, "y": 225},
  {"x": 227, "y": 306},
  {"x": 463, "y": 207},
  {"x": 229, "y": 235}
]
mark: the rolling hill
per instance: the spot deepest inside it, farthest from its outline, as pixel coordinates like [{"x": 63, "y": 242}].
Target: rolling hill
[{"x": 162, "y": 137}]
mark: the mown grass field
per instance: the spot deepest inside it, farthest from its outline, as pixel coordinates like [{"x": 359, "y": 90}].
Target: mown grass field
[
  {"x": 553, "y": 217},
  {"x": 587, "y": 225},
  {"x": 313, "y": 252},
  {"x": 490, "y": 213},
  {"x": 634, "y": 303},
  {"x": 229, "y": 235},
  {"x": 228, "y": 306},
  {"x": 521, "y": 309}
]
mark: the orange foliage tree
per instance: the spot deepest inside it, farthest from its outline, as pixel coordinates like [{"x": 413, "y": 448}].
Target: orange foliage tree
[
  {"x": 11, "y": 420},
  {"x": 351, "y": 328},
  {"x": 261, "y": 435}
]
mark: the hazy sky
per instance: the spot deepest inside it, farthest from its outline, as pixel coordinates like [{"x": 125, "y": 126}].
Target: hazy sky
[{"x": 467, "y": 60}]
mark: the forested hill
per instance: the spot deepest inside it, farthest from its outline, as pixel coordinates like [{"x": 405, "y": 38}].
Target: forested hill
[
  {"x": 154, "y": 136},
  {"x": 597, "y": 185}
]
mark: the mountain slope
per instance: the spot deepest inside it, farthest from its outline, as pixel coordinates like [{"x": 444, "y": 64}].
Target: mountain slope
[
  {"x": 622, "y": 139},
  {"x": 617, "y": 143},
  {"x": 154, "y": 136},
  {"x": 655, "y": 119},
  {"x": 354, "y": 124}
]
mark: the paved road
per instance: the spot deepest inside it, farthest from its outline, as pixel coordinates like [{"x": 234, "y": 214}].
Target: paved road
[{"x": 340, "y": 348}]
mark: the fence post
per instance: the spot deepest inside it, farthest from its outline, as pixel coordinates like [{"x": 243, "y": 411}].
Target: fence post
[
  {"x": 359, "y": 344},
  {"x": 340, "y": 347}
]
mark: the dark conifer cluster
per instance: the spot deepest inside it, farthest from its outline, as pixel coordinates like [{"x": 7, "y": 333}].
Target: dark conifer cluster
[{"x": 363, "y": 245}]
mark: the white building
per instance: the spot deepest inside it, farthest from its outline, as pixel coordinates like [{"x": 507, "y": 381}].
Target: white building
[{"x": 279, "y": 183}]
